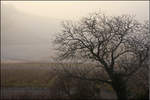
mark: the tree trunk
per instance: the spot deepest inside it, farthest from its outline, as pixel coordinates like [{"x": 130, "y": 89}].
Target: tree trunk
[
  {"x": 121, "y": 94},
  {"x": 119, "y": 86}
]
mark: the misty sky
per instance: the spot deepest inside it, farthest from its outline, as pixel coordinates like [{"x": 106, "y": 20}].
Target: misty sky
[
  {"x": 28, "y": 26},
  {"x": 77, "y": 9}
]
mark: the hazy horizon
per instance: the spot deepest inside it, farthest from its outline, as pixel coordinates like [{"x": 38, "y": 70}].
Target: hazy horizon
[{"x": 28, "y": 27}]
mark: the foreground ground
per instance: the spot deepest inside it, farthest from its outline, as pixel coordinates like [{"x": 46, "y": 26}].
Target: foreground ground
[{"x": 31, "y": 80}]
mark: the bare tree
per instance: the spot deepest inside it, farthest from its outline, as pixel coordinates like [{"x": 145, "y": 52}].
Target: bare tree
[{"x": 107, "y": 41}]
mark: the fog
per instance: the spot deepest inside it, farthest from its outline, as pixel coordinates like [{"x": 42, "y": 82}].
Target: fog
[
  {"x": 26, "y": 37},
  {"x": 28, "y": 28}
]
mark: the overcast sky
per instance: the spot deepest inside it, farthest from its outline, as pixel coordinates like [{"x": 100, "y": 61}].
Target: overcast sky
[
  {"x": 77, "y": 9},
  {"x": 27, "y": 26}
]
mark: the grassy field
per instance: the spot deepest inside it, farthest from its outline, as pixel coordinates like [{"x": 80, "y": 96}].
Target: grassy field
[
  {"x": 29, "y": 74},
  {"x": 31, "y": 79},
  {"x": 33, "y": 74},
  {"x": 26, "y": 74}
]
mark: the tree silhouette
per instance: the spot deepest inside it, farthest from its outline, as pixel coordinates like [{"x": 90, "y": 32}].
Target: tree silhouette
[{"x": 119, "y": 45}]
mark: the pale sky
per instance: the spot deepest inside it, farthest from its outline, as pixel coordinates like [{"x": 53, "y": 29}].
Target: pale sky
[
  {"x": 28, "y": 26},
  {"x": 77, "y": 9}
]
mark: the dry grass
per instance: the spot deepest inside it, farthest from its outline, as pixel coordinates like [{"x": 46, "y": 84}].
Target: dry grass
[
  {"x": 26, "y": 74},
  {"x": 33, "y": 74},
  {"x": 30, "y": 75}
]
